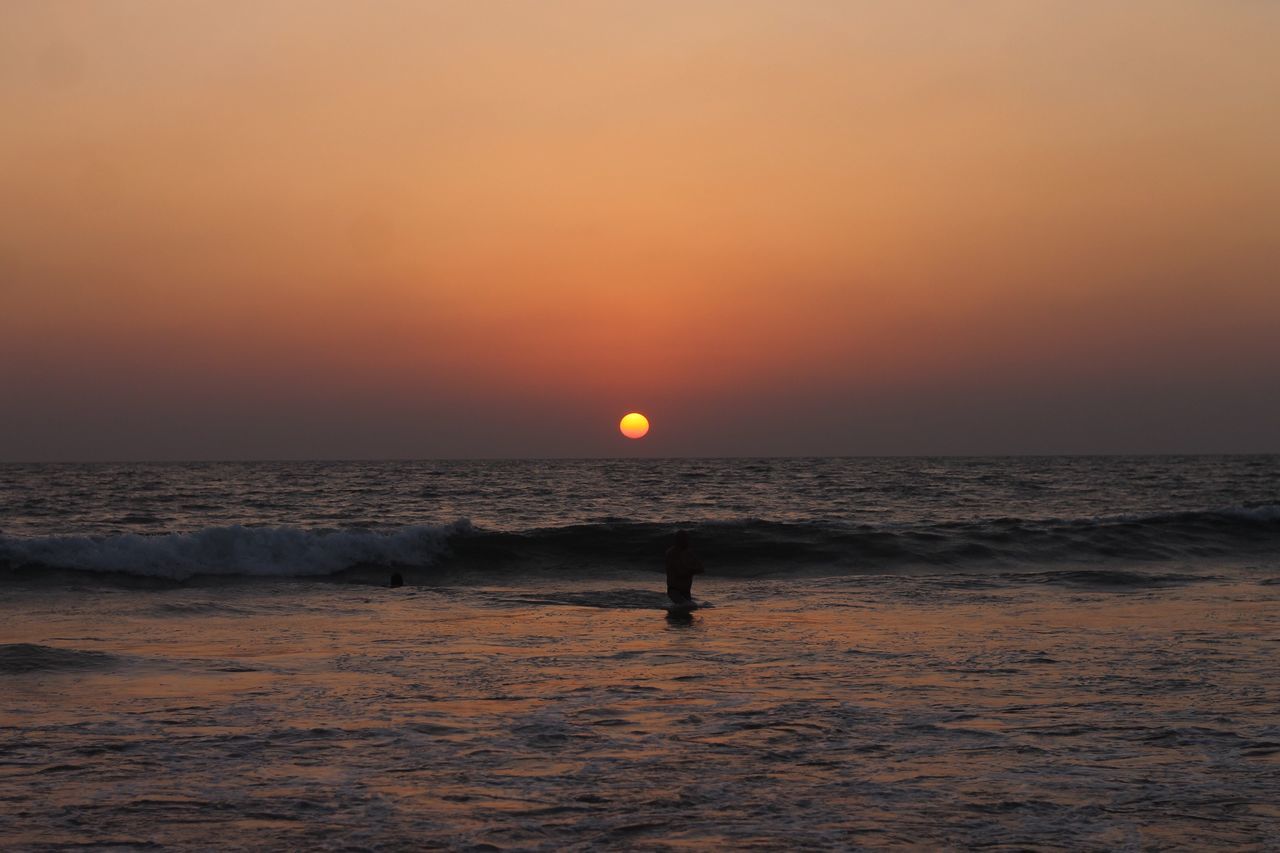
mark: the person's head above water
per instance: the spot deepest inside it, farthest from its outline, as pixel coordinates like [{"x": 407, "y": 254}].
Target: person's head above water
[{"x": 682, "y": 539}]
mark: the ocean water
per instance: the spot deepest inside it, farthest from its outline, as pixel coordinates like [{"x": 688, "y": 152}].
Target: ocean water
[{"x": 1046, "y": 653}]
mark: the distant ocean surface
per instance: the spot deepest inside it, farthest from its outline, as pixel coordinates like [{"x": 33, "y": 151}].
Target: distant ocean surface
[
  {"x": 928, "y": 654},
  {"x": 752, "y": 517}
]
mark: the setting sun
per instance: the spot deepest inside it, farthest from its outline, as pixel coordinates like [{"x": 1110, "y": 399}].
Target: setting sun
[{"x": 634, "y": 425}]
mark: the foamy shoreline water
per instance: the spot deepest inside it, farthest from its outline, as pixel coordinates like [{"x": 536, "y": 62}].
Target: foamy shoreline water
[{"x": 826, "y": 713}]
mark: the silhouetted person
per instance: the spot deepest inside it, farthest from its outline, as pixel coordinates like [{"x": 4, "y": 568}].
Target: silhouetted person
[
  {"x": 396, "y": 580},
  {"x": 681, "y": 567}
]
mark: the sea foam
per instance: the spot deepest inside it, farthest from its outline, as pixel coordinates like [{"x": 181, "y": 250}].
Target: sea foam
[{"x": 233, "y": 550}]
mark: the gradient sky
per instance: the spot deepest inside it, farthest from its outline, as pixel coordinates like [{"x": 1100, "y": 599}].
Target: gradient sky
[{"x": 413, "y": 229}]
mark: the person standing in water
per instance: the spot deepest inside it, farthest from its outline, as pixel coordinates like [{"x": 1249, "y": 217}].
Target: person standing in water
[{"x": 681, "y": 567}]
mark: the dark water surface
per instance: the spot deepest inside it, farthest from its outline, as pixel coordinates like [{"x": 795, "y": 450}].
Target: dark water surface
[
  {"x": 758, "y": 516},
  {"x": 1061, "y": 653}
]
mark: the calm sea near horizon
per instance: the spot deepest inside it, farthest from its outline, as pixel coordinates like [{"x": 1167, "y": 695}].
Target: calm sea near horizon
[{"x": 1044, "y": 653}]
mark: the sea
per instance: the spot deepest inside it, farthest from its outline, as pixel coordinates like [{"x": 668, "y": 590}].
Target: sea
[{"x": 1024, "y": 653}]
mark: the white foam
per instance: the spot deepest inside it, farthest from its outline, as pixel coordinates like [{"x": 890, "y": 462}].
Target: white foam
[{"x": 235, "y": 550}]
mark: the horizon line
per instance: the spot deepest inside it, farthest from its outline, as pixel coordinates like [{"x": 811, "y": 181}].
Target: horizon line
[{"x": 396, "y": 459}]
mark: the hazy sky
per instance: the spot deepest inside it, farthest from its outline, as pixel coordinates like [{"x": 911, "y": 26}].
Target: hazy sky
[{"x": 413, "y": 229}]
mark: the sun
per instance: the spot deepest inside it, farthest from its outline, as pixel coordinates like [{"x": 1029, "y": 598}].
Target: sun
[{"x": 634, "y": 425}]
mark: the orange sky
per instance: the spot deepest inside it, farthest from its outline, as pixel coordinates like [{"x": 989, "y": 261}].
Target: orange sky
[{"x": 269, "y": 229}]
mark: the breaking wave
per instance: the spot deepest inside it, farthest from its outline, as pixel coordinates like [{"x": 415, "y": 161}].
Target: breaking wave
[
  {"x": 737, "y": 548},
  {"x": 234, "y": 550}
]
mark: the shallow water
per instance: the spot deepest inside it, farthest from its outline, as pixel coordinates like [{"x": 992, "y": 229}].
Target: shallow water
[{"x": 1056, "y": 710}]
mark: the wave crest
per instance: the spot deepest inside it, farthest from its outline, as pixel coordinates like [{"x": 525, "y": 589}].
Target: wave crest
[
  {"x": 741, "y": 548},
  {"x": 234, "y": 550}
]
